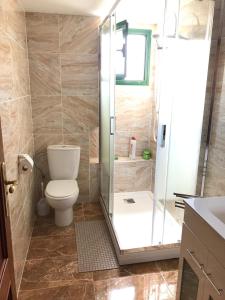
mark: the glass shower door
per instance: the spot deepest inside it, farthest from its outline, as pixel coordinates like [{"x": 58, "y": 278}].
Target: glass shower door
[
  {"x": 182, "y": 101},
  {"x": 107, "y": 82}
]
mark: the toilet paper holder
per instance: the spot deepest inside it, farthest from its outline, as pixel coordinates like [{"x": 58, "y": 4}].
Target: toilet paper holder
[{"x": 26, "y": 163}]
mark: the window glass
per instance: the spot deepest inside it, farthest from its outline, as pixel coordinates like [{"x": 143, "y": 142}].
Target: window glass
[{"x": 132, "y": 63}]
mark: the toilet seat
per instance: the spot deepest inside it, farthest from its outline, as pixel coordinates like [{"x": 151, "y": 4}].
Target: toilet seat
[{"x": 61, "y": 189}]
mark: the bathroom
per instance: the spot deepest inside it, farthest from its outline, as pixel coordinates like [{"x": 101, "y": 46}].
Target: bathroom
[{"x": 111, "y": 146}]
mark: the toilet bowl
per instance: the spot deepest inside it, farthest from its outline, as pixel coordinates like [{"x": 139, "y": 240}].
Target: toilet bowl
[
  {"x": 62, "y": 195},
  {"x": 62, "y": 190}
]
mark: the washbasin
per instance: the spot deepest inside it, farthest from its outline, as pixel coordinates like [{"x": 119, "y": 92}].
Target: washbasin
[{"x": 212, "y": 210}]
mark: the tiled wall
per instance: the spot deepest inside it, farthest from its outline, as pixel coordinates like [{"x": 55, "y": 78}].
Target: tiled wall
[
  {"x": 135, "y": 113},
  {"x": 133, "y": 106},
  {"x": 16, "y": 118},
  {"x": 63, "y": 56},
  {"x": 215, "y": 175},
  {"x": 132, "y": 175}
]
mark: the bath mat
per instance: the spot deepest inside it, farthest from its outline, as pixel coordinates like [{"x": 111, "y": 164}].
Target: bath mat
[{"x": 94, "y": 247}]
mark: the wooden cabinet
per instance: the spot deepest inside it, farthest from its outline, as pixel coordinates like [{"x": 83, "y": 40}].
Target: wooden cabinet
[{"x": 201, "y": 274}]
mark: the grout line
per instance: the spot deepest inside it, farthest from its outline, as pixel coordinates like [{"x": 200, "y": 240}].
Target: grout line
[{"x": 60, "y": 70}]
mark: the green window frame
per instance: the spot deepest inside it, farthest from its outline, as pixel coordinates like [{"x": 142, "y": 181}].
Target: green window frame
[
  {"x": 147, "y": 34},
  {"x": 123, "y": 26}
]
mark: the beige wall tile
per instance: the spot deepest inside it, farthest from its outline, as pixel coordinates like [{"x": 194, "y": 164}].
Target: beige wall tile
[
  {"x": 79, "y": 75},
  {"x": 124, "y": 176},
  {"x": 14, "y": 21},
  {"x": 47, "y": 114},
  {"x": 131, "y": 176},
  {"x": 80, "y": 113},
  {"x": 20, "y": 69},
  {"x": 69, "y": 72},
  {"x": 143, "y": 175},
  {"x": 94, "y": 143},
  {"x": 42, "y": 32},
  {"x": 78, "y": 34},
  {"x": 6, "y": 82},
  {"x": 44, "y": 74},
  {"x": 94, "y": 182}
]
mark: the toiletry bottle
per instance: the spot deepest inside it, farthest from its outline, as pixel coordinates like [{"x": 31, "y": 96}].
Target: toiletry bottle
[{"x": 132, "y": 152}]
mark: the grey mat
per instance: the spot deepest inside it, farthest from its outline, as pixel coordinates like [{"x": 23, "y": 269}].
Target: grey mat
[{"x": 94, "y": 247}]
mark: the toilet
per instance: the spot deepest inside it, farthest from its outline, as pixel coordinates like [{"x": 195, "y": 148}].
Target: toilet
[{"x": 62, "y": 190}]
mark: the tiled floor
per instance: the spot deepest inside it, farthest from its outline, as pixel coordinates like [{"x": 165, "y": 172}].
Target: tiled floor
[{"x": 51, "y": 270}]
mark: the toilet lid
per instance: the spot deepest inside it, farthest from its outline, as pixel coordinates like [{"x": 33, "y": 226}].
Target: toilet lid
[{"x": 61, "y": 188}]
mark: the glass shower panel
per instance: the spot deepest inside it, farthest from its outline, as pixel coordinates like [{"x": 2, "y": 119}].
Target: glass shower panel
[
  {"x": 107, "y": 114},
  {"x": 180, "y": 115}
]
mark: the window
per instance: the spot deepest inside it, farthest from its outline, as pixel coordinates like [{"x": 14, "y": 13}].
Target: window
[
  {"x": 121, "y": 49},
  {"x": 133, "y": 58}
]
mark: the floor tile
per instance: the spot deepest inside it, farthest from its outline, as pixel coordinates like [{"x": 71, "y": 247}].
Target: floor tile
[
  {"x": 53, "y": 230},
  {"x": 52, "y": 246},
  {"x": 77, "y": 290},
  {"x": 50, "y": 272}
]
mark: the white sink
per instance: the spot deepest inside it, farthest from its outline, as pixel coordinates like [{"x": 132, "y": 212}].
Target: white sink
[{"x": 212, "y": 210}]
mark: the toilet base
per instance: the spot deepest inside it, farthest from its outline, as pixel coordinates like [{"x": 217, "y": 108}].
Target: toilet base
[{"x": 63, "y": 217}]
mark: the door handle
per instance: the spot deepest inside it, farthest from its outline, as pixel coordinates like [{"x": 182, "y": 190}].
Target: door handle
[
  {"x": 163, "y": 136},
  {"x": 11, "y": 184},
  {"x": 112, "y": 125}
]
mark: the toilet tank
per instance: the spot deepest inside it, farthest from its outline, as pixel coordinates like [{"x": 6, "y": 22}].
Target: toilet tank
[{"x": 63, "y": 161}]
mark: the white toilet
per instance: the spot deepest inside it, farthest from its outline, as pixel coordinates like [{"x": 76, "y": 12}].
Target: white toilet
[{"x": 62, "y": 191}]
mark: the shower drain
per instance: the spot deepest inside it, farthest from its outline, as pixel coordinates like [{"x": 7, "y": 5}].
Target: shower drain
[{"x": 129, "y": 200}]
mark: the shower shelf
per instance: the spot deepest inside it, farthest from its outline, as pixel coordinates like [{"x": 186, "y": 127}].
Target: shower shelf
[{"x": 128, "y": 160}]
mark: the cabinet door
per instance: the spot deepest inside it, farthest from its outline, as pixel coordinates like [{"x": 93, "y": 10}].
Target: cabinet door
[
  {"x": 215, "y": 280},
  {"x": 191, "y": 280}
]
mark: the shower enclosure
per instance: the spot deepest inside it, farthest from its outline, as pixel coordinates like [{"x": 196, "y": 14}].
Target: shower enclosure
[{"x": 143, "y": 199}]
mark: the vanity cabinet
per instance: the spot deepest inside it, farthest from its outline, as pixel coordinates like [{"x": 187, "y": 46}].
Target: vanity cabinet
[{"x": 201, "y": 274}]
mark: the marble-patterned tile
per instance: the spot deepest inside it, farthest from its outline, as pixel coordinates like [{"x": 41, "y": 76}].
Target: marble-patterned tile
[
  {"x": 25, "y": 121},
  {"x": 79, "y": 75},
  {"x": 45, "y": 74},
  {"x": 52, "y": 246},
  {"x": 122, "y": 142},
  {"x": 168, "y": 265},
  {"x": 109, "y": 274},
  {"x": 20, "y": 70},
  {"x": 94, "y": 182},
  {"x": 143, "y": 175},
  {"x": 47, "y": 114},
  {"x": 78, "y": 212},
  {"x": 80, "y": 113},
  {"x": 124, "y": 176},
  {"x": 53, "y": 230},
  {"x": 92, "y": 210},
  {"x": 42, "y": 32},
  {"x": 171, "y": 278},
  {"x": 6, "y": 69},
  {"x": 78, "y": 34},
  {"x": 136, "y": 104},
  {"x": 94, "y": 143},
  {"x": 11, "y": 136},
  {"x": 50, "y": 272},
  {"x": 143, "y": 140},
  {"x": 142, "y": 268},
  {"x": 156, "y": 288},
  {"x": 131, "y": 287},
  {"x": 20, "y": 243},
  {"x": 14, "y": 21},
  {"x": 76, "y": 290}
]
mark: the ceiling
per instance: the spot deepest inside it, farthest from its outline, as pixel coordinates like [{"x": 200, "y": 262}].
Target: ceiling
[{"x": 72, "y": 7}]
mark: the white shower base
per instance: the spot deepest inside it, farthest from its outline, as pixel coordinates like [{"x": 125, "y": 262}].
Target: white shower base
[{"x": 133, "y": 222}]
